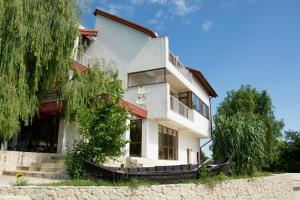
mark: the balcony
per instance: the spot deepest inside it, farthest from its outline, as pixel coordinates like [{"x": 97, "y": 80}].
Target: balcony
[
  {"x": 181, "y": 109},
  {"x": 179, "y": 66},
  {"x": 83, "y": 59},
  {"x": 167, "y": 109},
  {"x": 51, "y": 97}
]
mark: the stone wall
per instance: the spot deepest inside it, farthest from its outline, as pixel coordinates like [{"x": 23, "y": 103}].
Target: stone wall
[
  {"x": 9, "y": 160},
  {"x": 274, "y": 187}
]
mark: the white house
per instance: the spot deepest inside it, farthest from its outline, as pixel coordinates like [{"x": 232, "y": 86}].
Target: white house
[
  {"x": 170, "y": 103},
  {"x": 176, "y": 98}
]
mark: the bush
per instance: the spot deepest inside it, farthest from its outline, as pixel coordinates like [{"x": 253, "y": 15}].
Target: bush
[
  {"x": 75, "y": 155},
  {"x": 203, "y": 173},
  {"x": 241, "y": 137}
]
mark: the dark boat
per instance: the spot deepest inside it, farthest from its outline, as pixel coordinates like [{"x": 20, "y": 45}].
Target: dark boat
[{"x": 162, "y": 174}]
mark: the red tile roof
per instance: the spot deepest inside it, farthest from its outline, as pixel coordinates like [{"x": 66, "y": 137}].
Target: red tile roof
[
  {"x": 79, "y": 66},
  {"x": 88, "y": 32},
  {"x": 134, "y": 109},
  {"x": 125, "y": 22}
]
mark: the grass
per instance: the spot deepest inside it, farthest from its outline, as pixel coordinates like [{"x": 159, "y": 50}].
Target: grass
[
  {"x": 79, "y": 183},
  {"x": 210, "y": 181}
]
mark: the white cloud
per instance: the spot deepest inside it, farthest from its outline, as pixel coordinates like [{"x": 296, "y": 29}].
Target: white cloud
[
  {"x": 159, "y": 14},
  {"x": 158, "y": 1},
  {"x": 183, "y": 7},
  {"x": 119, "y": 9},
  {"x": 207, "y": 25}
]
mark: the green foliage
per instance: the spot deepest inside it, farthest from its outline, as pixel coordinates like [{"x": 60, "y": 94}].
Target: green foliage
[
  {"x": 288, "y": 158},
  {"x": 79, "y": 183},
  {"x": 241, "y": 137},
  {"x": 249, "y": 101},
  {"x": 92, "y": 101},
  {"x": 36, "y": 44},
  {"x": 74, "y": 156},
  {"x": 203, "y": 172},
  {"x": 21, "y": 182}
]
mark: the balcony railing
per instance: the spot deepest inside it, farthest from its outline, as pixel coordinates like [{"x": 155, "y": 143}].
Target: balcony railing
[
  {"x": 83, "y": 59},
  {"x": 50, "y": 97},
  {"x": 180, "y": 67},
  {"x": 181, "y": 109}
]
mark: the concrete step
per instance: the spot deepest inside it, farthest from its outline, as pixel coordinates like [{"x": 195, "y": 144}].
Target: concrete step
[
  {"x": 44, "y": 164},
  {"x": 38, "y": 174},
  {"x": 22, "y": 168},
  {"x": 47, "y": 160}
]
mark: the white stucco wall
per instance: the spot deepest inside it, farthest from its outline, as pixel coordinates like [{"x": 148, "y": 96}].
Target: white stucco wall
[
  {"x": 150, "y": 150},
  {"x": 158, "y": 107},
  {"x": 66, "y": 134},
  {"x": 129, "y": 48}
]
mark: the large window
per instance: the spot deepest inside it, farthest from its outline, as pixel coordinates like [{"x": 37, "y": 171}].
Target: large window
[
  {"x": 200, "y": 106},
  {"x": 168, "y": 142},
  {"x": 135, "y": 149},
  {"x": 146, "y": 77}
]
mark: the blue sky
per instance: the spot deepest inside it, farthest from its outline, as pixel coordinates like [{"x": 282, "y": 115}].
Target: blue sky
[{"x": 232, "y": 42}]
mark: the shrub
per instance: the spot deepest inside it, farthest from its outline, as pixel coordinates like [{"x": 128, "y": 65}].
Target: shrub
[
  {"x": 75, "y": 155},
  {"x": 241, "y": 137}
]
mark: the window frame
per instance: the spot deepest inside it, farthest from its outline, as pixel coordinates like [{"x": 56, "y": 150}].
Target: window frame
[
  {"x": 167, "y": 148},
  {"x": 138, "y": 72}
]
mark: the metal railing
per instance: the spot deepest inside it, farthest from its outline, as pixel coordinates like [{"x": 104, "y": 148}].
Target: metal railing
[
  {"x": 83, "y": 59},
  {"x": 50, "y": 97},
  {"x": 181, "y": 109},
  {"x": 179, "y": 66}
]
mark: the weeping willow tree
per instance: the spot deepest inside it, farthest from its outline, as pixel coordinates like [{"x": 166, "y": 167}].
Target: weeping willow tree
[{"x": 36, "y": 44}]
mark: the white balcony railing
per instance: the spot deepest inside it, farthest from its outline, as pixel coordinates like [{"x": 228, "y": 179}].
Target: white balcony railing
[
  {"x": 180, "y": 67},
  {"x": 181, "y": 109},
  {"x": 83, "y": 59},
  {"x": 50, "y": 97}
]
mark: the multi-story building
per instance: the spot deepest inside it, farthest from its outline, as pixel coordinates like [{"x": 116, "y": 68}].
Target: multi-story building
[
  {"x": 177, "y": 98},
  {"x": 170, "y": 103}
]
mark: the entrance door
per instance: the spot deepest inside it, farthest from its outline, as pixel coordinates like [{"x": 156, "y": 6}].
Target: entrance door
[
  {"x": 188, "y": 152},
  {"x": 135, "y": 147}
]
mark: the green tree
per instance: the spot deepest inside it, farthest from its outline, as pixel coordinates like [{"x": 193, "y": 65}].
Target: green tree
[
  {"x": 240, "y": 137},
  {"x": 288, "y": 159},
  {"x": 249, "y": 101},
  {"x": 92, "y": 100},
  {"x": 36, "y": 44}
]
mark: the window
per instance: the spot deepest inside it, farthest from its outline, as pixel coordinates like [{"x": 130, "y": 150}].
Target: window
[
  {"x": 184, "y": 97},
  {"x": 168, "y": 141},
  {"x": 146, "y": 77},
  {"x": 200, "y": 106},
  {"x": 135, "y": 148}
]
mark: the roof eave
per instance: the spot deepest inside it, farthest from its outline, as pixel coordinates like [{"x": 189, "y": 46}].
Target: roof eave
[{"x": 125, "y": 22}]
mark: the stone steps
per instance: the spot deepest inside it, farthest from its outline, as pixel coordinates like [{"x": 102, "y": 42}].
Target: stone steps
[{"x": 51, "y": 167}]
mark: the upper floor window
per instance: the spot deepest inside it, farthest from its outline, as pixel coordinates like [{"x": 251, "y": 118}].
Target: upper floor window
[
  {"x": 200, "y": 106},
  {"x": 147, "y": 77}
]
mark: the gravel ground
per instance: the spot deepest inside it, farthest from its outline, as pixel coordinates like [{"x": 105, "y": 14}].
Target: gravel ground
[{"x": 10, "y": 180}]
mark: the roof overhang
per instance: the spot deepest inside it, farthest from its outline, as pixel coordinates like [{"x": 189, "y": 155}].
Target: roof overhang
[
  {"x": 200, "y": 77},
  {"x": 89, "y": 33},
  {"x": 134, "y": 109},
  {"x": 125, "y": 22}
]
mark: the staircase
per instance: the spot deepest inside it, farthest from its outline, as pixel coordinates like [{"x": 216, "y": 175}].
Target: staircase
[{"x": 51, "y": 167}]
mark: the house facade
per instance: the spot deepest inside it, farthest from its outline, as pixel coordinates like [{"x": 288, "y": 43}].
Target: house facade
[
  {"x": 169, "y": 103},
  {"x": 177, "y": 99}
]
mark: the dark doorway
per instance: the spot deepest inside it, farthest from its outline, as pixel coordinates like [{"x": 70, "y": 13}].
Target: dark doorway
[
  {"x": 39, "y": 136},
  {"x": 135, "y": 149},
  {"x": 188, "y": 152}
]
